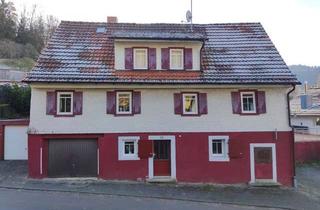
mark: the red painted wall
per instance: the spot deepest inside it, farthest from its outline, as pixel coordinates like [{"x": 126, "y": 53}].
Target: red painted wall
[
  {"x": 192, "y": 157},
  {"x": 307, "y": 151}
]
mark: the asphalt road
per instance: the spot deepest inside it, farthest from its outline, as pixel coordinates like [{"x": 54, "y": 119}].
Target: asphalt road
[{"x": 38, "y": 200}]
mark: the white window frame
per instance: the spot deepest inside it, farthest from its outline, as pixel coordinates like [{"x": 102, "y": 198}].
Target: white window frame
[
  {"x": 146, "y": 58},
  {"x": 182, "y": 58},
  {"x": 121, "y": 147},
  {"x": 58, "y": 103},
  {"x": 117, "y": 103},
  {"x": 254, "y": 102},
  {"x": 225, "y": 148},
  {"x": 184, "y": 105}
]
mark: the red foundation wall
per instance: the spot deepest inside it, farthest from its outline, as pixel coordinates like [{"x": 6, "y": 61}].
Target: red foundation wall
[{"x": 192, "y": 157}]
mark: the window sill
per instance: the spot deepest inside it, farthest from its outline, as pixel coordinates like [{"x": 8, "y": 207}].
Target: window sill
[
  {"x": 64, "y": 115},
  {"x": 129, "y": 158},
  {"x": 219, "y": 159}
]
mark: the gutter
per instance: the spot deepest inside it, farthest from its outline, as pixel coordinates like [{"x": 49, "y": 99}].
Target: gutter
[{"x": 294, "y": 180}]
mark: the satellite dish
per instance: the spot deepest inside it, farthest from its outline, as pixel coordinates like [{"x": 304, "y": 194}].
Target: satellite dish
[{"x": 189, "y": 16}]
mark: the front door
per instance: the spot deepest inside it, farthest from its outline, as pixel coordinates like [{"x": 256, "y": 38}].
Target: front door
[
  {"x": 263, "y": 163},
  {"x": 162, "y": 161}
]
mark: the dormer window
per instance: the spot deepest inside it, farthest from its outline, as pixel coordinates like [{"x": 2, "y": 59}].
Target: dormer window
[
  {"x": 140, "y": 58},
  {"x": 176, "y": 59}
]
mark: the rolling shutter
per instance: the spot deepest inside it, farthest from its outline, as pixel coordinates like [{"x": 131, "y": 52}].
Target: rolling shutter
[{"x": 51, "y": 108}]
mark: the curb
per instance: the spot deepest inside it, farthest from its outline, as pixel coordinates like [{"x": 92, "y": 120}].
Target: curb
[{"x": 146, "y": 196}]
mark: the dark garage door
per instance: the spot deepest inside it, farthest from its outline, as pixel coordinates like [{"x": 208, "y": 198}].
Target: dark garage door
[{"x": 72, "y": 158}]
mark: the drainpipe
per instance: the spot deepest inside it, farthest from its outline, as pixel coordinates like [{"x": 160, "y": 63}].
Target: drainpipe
[{"x": 292, "y": 137}]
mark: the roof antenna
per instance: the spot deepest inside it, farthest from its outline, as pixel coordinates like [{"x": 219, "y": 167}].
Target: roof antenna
[{"x": 189, "y": 16}]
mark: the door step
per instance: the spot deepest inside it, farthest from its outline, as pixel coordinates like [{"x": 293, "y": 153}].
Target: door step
[
  {"x": 264, "y": 183},
  {"x": 161, "y": 179}
]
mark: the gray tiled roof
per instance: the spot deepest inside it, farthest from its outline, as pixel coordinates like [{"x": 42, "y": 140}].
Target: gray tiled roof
[{"x": 232, "y": 54}]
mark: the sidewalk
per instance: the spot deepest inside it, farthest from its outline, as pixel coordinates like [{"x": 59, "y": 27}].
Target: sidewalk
[{"x": 283, "y": 198}]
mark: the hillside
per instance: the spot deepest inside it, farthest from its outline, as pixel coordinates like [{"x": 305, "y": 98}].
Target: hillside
[{"x": 304, "y": 73}]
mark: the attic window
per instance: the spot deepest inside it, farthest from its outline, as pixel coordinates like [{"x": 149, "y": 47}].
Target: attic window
[{"x": 101, "y": 30}]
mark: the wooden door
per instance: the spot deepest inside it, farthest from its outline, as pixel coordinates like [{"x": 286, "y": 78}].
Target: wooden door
[
  {"x": 263, "y": 163},
  {"x": 162, "y": 160}
]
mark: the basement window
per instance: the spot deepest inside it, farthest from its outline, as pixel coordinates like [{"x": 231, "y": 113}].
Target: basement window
[
  {"x": 128, "y": 147},
  {"x": 218, "y": 148}
]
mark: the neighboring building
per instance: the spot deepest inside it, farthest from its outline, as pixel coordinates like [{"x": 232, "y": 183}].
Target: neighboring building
[
  {"x": 305, "y": 111},
  {"x": 161, "y": 102},
  {"x": 8, "y": 76}
]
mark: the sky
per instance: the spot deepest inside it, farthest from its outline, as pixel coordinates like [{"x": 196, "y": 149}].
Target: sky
[{"x": 293, "y": 25}]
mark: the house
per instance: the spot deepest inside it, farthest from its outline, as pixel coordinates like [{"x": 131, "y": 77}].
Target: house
[{"x": 161, "y": 102}]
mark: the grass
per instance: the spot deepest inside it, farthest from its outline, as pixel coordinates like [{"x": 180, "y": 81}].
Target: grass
[{"x": 24, "y": 64}]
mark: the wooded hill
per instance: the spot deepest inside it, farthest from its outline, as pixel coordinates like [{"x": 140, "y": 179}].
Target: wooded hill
[{"x": 23, "y": 35}]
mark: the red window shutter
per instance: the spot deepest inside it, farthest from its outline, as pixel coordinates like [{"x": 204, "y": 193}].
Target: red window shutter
[
  {"x": 165, "y": 58},
  {"x": 145, "y": 149},
  {"x": 236, "y": 149},
  {"x": 177, "y": 103},
  {"x": 77, "y": 103},
  {"x": 236, "y": 102},
  {"x": 51, "y": 103},
  {"x": 188, "y": 58},
  {"x": 203, "y": 107},
  {"x": 111, "y": 102},
  {"x": 136, "y": 102},
  {"x": 152, "y": 58},
  {"x": 128, "y": 58},
  {"x": 261, "y": 102}
]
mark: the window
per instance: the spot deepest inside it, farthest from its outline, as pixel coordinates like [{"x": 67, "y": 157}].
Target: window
[
  {"x": 128, "y": 147},
  {"x": 218, "y": 148},
  {"x": 124, "y": 103},
  {"x": 176, "y": 59},
  {"x": 65, "y": 103},
  {"x": 190, "y": 103},
  {"x": 140, "y": 58},
  {"x": 248, "y": 102},
  {"x": 317, "y": 121}
]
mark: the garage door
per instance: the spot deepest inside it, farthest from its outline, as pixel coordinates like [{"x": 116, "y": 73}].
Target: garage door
[
  {"x": 72, "y": 158},
  {"x": 15, "y": 142}
]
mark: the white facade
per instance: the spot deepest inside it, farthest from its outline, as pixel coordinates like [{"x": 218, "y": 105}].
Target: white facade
[
  {"x": 120, "y": 45},
  {"x": 157, "y": 112}
]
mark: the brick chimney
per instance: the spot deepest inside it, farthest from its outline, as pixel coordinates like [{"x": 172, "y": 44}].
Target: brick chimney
[{"x": 112, "y": 19}]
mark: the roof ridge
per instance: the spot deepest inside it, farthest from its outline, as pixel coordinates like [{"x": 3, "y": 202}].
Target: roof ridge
[{"x": 159, "y": 23}]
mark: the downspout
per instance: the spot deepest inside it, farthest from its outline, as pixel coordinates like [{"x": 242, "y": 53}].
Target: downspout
[
  {"x": 292, "y": 137},
  {"x": 203, "y": 41}
]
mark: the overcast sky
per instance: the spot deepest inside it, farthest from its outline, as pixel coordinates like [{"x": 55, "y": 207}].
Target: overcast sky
[{"x": 293, "y": 25}]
